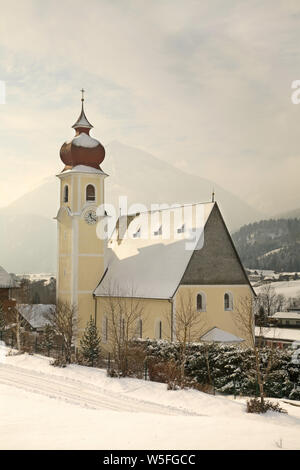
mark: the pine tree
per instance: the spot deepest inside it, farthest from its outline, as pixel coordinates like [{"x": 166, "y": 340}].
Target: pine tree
[
  {"x": 90, "y": 343},
  {"x": 48, "y": 339}
]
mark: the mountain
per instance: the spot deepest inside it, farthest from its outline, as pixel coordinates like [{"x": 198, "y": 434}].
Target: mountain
[
  {"x": 270, "y": 244},
  {"x": 28, "y": 239},
  {"x": 28, "y": 242}
]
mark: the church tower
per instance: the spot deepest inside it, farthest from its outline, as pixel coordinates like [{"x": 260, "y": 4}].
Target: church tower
[{"x": 80, "y": 251}]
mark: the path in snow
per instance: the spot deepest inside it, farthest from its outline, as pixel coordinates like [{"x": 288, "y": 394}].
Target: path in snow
[{"x": 79, "y": 393}]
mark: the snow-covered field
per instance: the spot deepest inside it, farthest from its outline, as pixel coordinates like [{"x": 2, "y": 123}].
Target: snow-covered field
[
  {"x": 43, "y": 407},
  {"x": 286, "y": 288}
]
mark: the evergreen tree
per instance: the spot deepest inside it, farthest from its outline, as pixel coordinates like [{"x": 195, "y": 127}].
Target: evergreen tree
[
  {"x": 90, "y": 343},
  {"x": 48, "y": 339}
]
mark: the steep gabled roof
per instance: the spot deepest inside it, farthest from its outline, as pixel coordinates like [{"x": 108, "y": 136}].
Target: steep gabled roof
[
  {"x": 218, "y": 262},
  {"x": 152, "y": 266}
]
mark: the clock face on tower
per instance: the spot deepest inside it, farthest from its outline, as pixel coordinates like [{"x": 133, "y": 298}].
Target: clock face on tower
[{"x": 90, "y": 217}]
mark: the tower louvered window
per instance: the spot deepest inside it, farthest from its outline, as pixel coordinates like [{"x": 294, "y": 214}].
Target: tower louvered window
[{"x": 90, "y": 193}]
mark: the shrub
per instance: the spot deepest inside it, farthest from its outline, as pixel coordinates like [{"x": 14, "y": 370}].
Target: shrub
[
  {"x": 295, "y": 394},
  {"x": 113, "y": 373},
  {"x": 254, "y": 405},
  {"x": 59, "y": 362}
]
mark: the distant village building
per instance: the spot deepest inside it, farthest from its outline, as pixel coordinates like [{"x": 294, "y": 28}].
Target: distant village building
[
  {"x": 7, "y": 284},
  {"x": 283, "y": 329},
  {"x": 291, "y": 318},
  {"x": 280, "y": 337},
  {"x": 156, "y": 270}
]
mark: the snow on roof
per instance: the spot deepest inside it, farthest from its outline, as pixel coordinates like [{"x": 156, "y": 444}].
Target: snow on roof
[
  {"x": 85, "y": 140},
  {"x": 82, "y": 169},
  {"x": 151, "y": 258},
  {"x": 82, "y": 121},
  {"x": 6, "y": 280},
  {"x": 36, "y": 314},
  {"x": 287, "y": 315},
  {"x": 288, "y": 334},
  {"x": 220, "y": 336}
]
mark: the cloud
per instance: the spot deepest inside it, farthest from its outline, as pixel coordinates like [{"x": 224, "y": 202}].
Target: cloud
[{"x": 203, "y": 83}]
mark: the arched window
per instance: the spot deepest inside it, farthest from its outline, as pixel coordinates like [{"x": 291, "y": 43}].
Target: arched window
[
  {"x": 201, "y": 302},
  {"x": 228, "y": 301},
  {"x": 66, "y": 193},
  {"x": 90, "y": 193}
]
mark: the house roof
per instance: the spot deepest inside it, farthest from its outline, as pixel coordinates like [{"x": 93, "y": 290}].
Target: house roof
[
  {"x": 287, "y": 315},
  {"x": 287, "y": 334},
  {"x": 6, "y": 280},
  {"x": 37, "y": 315},
  {"x": 149, "y": 261},
  {"x": 216, "y": 335}
]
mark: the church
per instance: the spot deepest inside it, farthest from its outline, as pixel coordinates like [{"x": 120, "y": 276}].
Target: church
[{"x": 151, "y": 263}]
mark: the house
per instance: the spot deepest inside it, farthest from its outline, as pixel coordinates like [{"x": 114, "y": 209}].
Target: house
[
  {"x": 290, "y": 319},
  {"x": 147, "y": 262},
  {"x": 280, "y": 337},
  {"x": 7, "y": 284},
  {"x": 35, "y": 316}
]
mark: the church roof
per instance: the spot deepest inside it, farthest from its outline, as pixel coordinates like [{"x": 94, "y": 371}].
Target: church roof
[
  {"x": 216, "y": 335},
  {"x": 82, "y": 149},
  {"x": 148, "y": 261}
]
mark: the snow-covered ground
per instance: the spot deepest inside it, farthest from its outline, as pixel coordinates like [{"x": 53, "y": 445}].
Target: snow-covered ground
[{"x": 43, "y": 407}]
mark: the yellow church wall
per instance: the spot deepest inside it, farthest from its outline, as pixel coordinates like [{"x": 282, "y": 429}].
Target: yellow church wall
[
  {"x": 88, "y": 240},
  {"x": 77, "y": 183},
  {"x": 70, "y": 181},
  {"x": 215, "y": 314},
  {"x": 90, "y": 271},
  {"x": 86, "y": 308},
  {"x": 65, "y": 234},
  {"x": 153, "y": 311},
  {"x": 97, "y": 181},
  {"x": 65, "y": 273}
]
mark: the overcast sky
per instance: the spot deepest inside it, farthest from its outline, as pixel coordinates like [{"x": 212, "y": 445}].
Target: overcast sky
[{"x": 204, "y": 85}]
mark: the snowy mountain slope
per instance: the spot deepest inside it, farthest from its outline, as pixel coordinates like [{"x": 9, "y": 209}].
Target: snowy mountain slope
[
  {"x": 43, "y": 407},
  {"x": 270, "y": 245},
  {"x": 27, "y": 229},
  {"x": 289, "y": 289}
]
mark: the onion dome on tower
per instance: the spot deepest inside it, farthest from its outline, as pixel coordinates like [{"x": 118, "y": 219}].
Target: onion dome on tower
[{"x": 82, "y": 149}]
